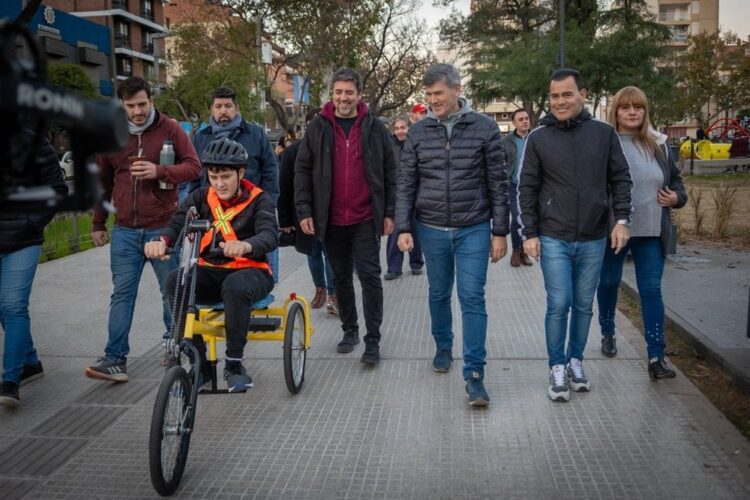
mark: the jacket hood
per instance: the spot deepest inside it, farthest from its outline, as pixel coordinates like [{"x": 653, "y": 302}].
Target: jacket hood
[
  {"x": 551, "y": 120},
  {"x": 329, "y": 112},
  {"x": 660, "y": 138},
  {"x": 464, "y": 109}
]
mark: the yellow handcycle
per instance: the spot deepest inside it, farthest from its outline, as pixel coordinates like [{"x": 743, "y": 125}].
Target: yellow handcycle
[{"x": 173, "y": 416}]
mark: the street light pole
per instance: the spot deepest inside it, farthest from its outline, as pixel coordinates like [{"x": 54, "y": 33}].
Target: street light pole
[
  {"x": 155, "y": 37},
  {"x": 562, "y": 33}
]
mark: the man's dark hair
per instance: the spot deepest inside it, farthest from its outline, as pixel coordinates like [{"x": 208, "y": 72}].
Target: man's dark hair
[
  {"x": 563, "y": 73},
  {"x": 347, "y": 75},
  {"x": 224, "y": 93},
  {"x": 130, "y": 87},
  {"x": 519, "y": 110},
  {"x": 310, "y": 116},
  {"x": 441, "y": 72}
]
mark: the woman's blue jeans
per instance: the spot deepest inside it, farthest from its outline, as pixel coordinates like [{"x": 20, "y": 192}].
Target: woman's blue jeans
[
  {"x": 648, "y": 258},
  {"x": 320, "y": 267},
  {"x": 571, "y": 272},
  {"x": 17, "y": 270},
  {"x": 463, "y": 255},
  {"x": 126, "y": 263}
]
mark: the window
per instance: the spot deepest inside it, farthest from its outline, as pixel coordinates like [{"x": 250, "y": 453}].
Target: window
[
  {"x": 124, "y": 66},
  {"x": 122, "y": 29}
]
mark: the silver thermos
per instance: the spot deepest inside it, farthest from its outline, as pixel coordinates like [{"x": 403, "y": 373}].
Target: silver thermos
[{"x": 166, "y": 157}]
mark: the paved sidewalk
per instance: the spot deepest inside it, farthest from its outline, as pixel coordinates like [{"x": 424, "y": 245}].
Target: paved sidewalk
[
  {"x": 396, "y": 431},
  {"x": 706, "y": 294}
]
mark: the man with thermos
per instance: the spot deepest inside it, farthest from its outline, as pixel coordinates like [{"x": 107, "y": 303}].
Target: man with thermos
[{"x": 140, "y": 181}]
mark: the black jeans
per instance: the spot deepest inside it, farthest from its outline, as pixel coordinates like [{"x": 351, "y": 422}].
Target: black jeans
[
  {"x": 358, "y": 245},
  {"x": 238, "y": 289}
]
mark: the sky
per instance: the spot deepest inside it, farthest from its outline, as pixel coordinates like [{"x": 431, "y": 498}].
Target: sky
[{"x": 734, "y": 15}]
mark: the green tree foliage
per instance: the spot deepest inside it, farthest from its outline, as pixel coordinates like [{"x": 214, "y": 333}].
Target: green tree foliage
[
  {"x": 73, "y": 77},
  {"x": 698, "y": 72},
  {"x": 209, "y": 56},
  {"x": 514, "y": 47},
  {"x": 319, "y": 36}
]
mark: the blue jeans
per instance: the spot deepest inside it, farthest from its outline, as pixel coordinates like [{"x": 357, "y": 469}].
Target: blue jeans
[
  {"x": 126, "y": 262},
  {"x": 17, "y": 271},
  {"x": 571, "y": 273},
  {"x": 648, "y": 258},
  {"x": 462, "y": 255},
  {"x": 320, "y": 267}
]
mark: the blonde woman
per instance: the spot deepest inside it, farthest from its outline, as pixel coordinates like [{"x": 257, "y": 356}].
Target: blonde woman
[{"x": 657, "y": 187}]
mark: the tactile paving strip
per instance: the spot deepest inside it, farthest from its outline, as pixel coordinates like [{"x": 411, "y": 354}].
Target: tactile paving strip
[
  {"x": 37, "y": 456},
  {"x": 79, "y": 421},
  {"x": 117, "y": 394},
  {"x": 13, "y": 490}
]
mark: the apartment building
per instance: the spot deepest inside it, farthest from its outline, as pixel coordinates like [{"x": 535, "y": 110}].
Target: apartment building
[
  {"x": 66, "y": 38},
  {"x": 686, "y": 17},
  {"x": 137, "y": 29}
]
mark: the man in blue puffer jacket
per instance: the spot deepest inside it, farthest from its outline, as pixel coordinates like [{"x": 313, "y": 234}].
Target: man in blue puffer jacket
[{"x": 454, "y": 178}]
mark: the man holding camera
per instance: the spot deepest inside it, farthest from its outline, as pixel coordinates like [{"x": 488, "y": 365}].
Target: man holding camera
[{"x": 144, "y": 195}]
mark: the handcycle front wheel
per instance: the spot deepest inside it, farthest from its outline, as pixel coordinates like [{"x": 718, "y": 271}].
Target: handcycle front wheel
[
  {"x": 169, "y": 438},
  {"x": 294, "y": 348}
]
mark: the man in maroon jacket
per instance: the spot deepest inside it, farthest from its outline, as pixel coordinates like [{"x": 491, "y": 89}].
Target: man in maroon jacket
[
  {"x": 344, "y": 193},
  {"x": 144, "y": 206}
]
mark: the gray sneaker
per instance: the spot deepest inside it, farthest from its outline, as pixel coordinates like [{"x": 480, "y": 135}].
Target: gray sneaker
[
  {"x": 558, "y": 384},
  {"x": 578, "y": 380},
  {"x": 237, "y": 378},
  {"x": 108, "y": 369}
]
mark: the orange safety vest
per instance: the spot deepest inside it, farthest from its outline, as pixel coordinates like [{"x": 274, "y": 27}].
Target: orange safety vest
[{"x": 222, "y": 223}]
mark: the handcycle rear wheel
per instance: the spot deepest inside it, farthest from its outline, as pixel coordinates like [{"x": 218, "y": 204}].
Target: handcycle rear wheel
[
  {"x": 170, "y": 431},
  {"x": 294, "y": 348}
]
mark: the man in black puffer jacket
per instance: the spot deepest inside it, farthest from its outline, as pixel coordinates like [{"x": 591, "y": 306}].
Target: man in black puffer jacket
[
  {"x": 21, "y": 237},
  {"x": 454, "y": 177},
  {"x": 572, "y": 165}
]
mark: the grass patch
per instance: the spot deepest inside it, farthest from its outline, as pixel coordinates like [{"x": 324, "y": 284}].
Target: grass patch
[
  {"x": 68, "y": 233},
  {"x": 704, "y": 374}
]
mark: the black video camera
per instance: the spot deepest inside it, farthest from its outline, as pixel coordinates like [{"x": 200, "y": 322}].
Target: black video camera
[{"x": 27, "y": 103}]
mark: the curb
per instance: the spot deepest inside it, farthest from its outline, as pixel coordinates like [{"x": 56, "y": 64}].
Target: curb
[{"x": 697, "y": 341}]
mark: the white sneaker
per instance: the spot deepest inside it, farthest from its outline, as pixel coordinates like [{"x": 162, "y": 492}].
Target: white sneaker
[
  {"x": 558, "y": 384},
  {"x": 578, "y": 380}
]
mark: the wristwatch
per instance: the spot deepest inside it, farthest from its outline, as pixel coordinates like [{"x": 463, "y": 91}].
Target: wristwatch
[{"x": 624, "y": 222}]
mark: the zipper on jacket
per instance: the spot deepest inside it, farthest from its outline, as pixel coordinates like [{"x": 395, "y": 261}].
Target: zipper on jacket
[
  {"x": 448, "y": 177},
  {"x": 135, "y": 186},
  {"x": 346, "y": 183}
]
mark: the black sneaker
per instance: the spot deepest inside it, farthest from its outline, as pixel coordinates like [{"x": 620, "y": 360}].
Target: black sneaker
[
  {"x": 416, "y": 272},
  {"x": 371, "y": 356},
  {"x": 32, "y": 372},
  {"x": 391, "y": 276},
  {"x": 475, "y": 391},
  {"x": 609, "y": 346},
  {"x": 348, "y": 342},
  {"x": 9, "y": 394},
  {"x": 108, "y": 369},
  {"x": 442, "y": 361},
  {"x": 657, "y": 368},
  {"x": 237, "y": 378}
]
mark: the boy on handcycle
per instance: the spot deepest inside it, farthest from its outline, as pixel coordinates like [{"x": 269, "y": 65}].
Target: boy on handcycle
[{"x": 245, "y": 228}]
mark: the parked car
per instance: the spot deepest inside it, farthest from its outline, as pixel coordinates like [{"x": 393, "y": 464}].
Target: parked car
[{"x": 66, "y": 164}]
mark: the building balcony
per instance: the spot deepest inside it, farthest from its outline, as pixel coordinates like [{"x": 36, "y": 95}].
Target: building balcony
[
  {"x": 120, "y": 4},
  {"x": 122, "y": 41},
  {"x": 147, "y": 48}
]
